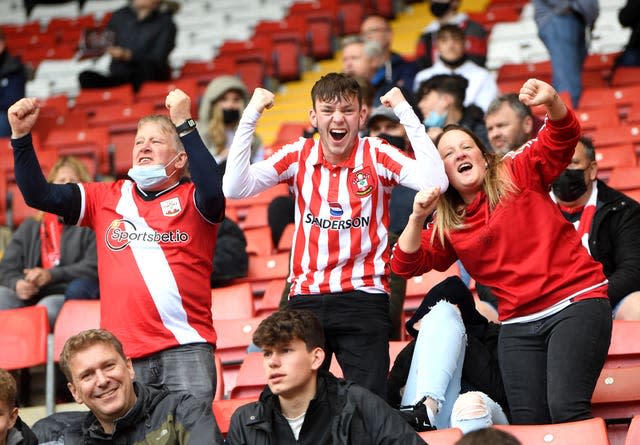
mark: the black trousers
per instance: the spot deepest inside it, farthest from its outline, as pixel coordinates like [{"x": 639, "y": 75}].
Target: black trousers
[{"x": 356, "y": 328}]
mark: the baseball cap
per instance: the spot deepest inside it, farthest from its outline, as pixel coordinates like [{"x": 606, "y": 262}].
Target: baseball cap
[{"x": 382, "y": 112}]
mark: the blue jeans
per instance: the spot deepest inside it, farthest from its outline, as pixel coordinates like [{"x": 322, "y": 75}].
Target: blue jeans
[
  {"x": 188, "y": 368},
  {"x": 550, "y": 367},
  {"x": 564, "y": 37}
]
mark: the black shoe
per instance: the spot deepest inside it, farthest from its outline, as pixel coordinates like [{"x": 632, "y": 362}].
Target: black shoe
[{"x": 416, "y": 416}]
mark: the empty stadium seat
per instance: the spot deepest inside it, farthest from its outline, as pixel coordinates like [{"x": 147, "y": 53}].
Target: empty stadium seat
[
  {"x": 258, "y": 240},
  {"x": 271, "y": 298},
  {"x": 624, "y": 349},
  {"x": 591, "y": 431},
  {"x": 234, "y": 301},
  {"x": 617, "y": 394},
  {"x": 251, "y": 378},
  {"x": 224, "y": 409},
  {"x": 625, "y": 178},
  {"x": 633, "y": 435},
  {"x": 23, "y": 337}
]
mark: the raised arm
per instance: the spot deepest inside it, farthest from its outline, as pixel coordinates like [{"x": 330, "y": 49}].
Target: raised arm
[
  {"x": 536, "y": 92},
  {"x": 429, "y": 169},
  {"x": 424, "y": 204},
  {"x": 202, "y": 166},
  {"x": 62, "y": 199},
  {"x": 242, "y": 179}
]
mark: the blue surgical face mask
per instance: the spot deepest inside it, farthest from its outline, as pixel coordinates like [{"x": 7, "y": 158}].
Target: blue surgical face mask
[
  {"x": 149, "y": 176},
  {"x": 435, "y": 119}
]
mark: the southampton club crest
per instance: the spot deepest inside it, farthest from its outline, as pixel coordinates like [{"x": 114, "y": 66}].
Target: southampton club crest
[
  {"x": 171, "y": 207},
  {"x": 361, "y": 182}
]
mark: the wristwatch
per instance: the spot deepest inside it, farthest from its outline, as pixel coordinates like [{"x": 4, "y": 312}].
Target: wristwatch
[{"x": 186, "y": 126}]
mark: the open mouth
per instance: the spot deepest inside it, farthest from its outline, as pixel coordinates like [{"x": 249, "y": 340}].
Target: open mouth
[
  {"x": 338, "y": 135},
  {"x": 144, "y": 160},
  {"x": 107, "y": 394},
  {"x": 465, "y": 166}
]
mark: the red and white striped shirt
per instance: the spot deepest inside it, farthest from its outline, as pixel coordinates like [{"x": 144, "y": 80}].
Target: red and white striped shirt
[{"x": 342, "y": 211}]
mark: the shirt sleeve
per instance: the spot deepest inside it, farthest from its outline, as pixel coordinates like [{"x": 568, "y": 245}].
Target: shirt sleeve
[
  {"x": 206, "y": 177},
  {"x": 429, "y": 256},
  {"x": 60, "y": 199},
  {"x": 428, "y": 169},
  {"x": 243, "y": 179}
]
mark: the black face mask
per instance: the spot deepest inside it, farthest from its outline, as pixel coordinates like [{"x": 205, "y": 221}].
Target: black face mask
[
  {"x": 570, "y": 185},
  {"x": 439, "y": 9},
  {"x": 396, "y": 141},
  {"x": 230, "y": 115}
]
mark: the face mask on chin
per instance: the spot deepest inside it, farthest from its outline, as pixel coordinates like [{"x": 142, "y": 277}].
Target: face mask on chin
[
  {"x": 570, "y": 185},
  {"x": 396, "y": 141},
  {"x": 148, "y": 177}
]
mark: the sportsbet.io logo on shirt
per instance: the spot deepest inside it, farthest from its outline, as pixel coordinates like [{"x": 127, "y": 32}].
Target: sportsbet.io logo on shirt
[{"x": 122, "y": 232}]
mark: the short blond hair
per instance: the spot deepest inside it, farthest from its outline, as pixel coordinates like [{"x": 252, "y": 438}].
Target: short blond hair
[
  {"x": 74, "y": 164},
  {"x": 84, "y": 340}
]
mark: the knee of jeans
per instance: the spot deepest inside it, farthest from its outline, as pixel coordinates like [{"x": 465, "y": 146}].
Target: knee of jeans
[
  {"x": 446, "y": 313},
  {"x": 470, "y": 405}
]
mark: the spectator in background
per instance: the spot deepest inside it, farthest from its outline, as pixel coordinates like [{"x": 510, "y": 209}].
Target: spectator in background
[
  {"x": 230, "y": 259},
  {"x": 452, "y": 59},
  {"x": 47, "y": 262},
  {"x": 563, "y": 26},
  {"x": 629, "y": 17},
  {"x": 395, "y": 71},
  {"x": 121, "y": 409},
  {"x": 157, "y": 233},
  {"x": 305, "y": 404},
  {"x": 341, "y": 184},
  {"x": 362, "y": 59},
  {"x": 441, "y": 102},
  {"x": 13, "y": 77},
  {"x": 13, "y": 431},
  {"x": 446, "y": 13},
  {"x": 218, "y": 115},
  {"x": 145, "y": 35},
  {"x": 509, "y": 122},
  {"x": 608, "y": 223}
]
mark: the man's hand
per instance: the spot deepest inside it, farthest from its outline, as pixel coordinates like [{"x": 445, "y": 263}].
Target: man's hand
[
  {"x": 23, "y": 116},
  {"x": 25, "y": 290},
  {"x": 179, "y": 106},
  {"x": 393, "y": 97},
  {"x": 425, "y": 202},
  {"x": 262, "y": 99},
  {"x": 37, "y": 276}
]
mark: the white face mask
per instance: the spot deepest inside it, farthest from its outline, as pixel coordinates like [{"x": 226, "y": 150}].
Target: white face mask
[{"x": 149, "y": 176}]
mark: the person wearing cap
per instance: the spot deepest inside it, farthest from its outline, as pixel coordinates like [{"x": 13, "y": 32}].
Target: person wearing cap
[
  {"x": 451, "y": 365},
  {"x": 218, "y": 115}
]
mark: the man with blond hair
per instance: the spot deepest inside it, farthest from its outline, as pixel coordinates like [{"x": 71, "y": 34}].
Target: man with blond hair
[{"x": 123, "y": 410}]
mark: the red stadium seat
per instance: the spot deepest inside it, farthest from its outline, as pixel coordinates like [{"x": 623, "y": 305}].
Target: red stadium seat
[
  {"x": 74, "y": 317},
  {"x": 591, "y": 431},
  {"x": 91, "y": 146},
  {"x": 258, "y": 240},
  {"x": 286, "y": 239},
  {"x": 633, "y": 435},
  {"x": 625, "y": 76},
  {"x": 264, "y": 197},
  {"x": 156, "y": 93},
  {"x": 224, "y": 409},
  {"x": 91, "y": 100},
  {"x": 598, "y": 118},
  {"x": 121, "y": 118},
  {"x": 617, "y": 393},
  {"x": 417, "y": 287},
  {"x": 624, "y": 349},
  {"x": 23, "y": 337},
  {"x": 253, "y": 217},
  {"x": 251, "y": 378},
  {"x": 625, "y": 178},
  {"x": 232, "y": 302},
  {"x": 271, "y": 298}
]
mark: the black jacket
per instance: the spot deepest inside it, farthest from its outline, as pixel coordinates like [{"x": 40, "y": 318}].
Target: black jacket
[
  {"x": 158, "y": 416},
  {"x": 341, "y": 413},
  {"x": 20, "y": 434},
  {"x": 230, "y": 259},
  {"x": 614, "y": 241}
]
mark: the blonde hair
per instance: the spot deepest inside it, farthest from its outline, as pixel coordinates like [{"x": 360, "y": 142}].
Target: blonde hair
[
  {"x": 8, "y": 389},
  {"x": 74, "y": 164},
  {"x": 497, "y": 185},
  {"x": 166, "y": 126},
  {"x": 217, "y": 127},
  {"x": 85, "y": 340}
]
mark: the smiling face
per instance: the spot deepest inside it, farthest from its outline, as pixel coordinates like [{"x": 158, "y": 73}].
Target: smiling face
[
  {"x": 338, "y": 122},
  {"x": 464, "y": 163},
  {"x": 506, "y": 129},
  {"x": 291, "y": 368},
  {"x": 103, "y": 380}
]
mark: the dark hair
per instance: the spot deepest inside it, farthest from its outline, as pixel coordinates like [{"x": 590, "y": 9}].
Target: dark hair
[
  {"x": 512, "y": 100},
  {"x": 334, "y": 87},
  {"x": 451, "y": 30},
  {"x": 84, "y": 340},
  {"x": 453, "y": 84},
  {"x": 589, "y": 148},
  {"x": 283, "y": 326},
  {"x": 488, "y": 436},
  {"x": 8, "y": 389}
]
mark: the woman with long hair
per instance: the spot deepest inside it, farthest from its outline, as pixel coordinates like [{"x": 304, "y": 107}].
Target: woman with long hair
[{"x": 497, "y": 217}]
